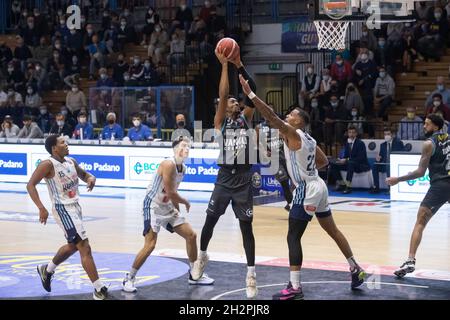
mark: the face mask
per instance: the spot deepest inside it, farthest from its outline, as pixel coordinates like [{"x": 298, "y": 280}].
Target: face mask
[
  {"x": 365, "y": 33},
  {"x": 180, "y": 123},
  {"x": 364, "y": 57},
  {"x": 354, "y": 113},
  {"x": 326, "y": 77},
  {"x": 350, "y": 140},
  {"x": 310, "y": 70},
  {"x": 157, "y": 29},
  {"x": 74, "y": 89},
  {"x": 103, "y": 76},
  {"x": 126, "y": 13},
  {"x": 30, "y": 91},
  {"x": 10, "y": 93},
  {"x": 74, "y": 61},
  {"x": 10, "y": 69},
  {"x": 43, "y": 111},
  {"x": 387, "y": 138},
  {"x": 83, "y": 20},
  {"x": 411, "y": 115},
  {"x": 339, "y": 62},
  {"x": 62, "y": 22},
  {"x": 334, "y": 104},
  {"x": 150, "y": 12},
  {"x": 136, "y": 61},
  {"x": 38, "y": 68},
  {"x": 382, "y": 74},
  {"x": 83, "y": 120},
  {"x": 440, "y": 87},
  {"x": 314, "y": 105},
  {"x": 60, "y": 123},
  {"x": 437, "y": 16},
  {"x": 123, "y": 24},
  {"x": 64, "y": 112},
  {"x": 149, "y": 20},
  {"x": 58, "y": 46},
  {"x": 73, "y": 31},
  {"x": 136, "y": 123},
  {"x": 89, "y": 31},
  {"x": 436, "y": 103},
  {"x": 111, "y": 121},
  {"x": 183, "y": 7},
  {"x": 407, "y": 24},
  {"x": 126, "y": 78},
  {"x": 147, "y": 65},
  {"x": 381, "y": 43}
]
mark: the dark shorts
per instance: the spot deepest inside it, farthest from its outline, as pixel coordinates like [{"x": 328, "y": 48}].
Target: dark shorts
[
  {"x": 437, "y": 195},
  {"x": 237, "y": 190}
]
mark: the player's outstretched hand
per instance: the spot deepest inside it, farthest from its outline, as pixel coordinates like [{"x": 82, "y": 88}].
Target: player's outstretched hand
[
  {"x": 245, "y": 86},
  {"x": 43, "y": 215},
  {"x": 392, "y": 181},
  {"x": 221, "y": 57},
  {"x": 90, "y": 184}
]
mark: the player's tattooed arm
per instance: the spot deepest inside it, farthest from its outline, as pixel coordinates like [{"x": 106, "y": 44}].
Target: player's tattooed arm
[
  {"x": 224, "y": 89},
  {"x": 44, "y": 170},
  {"x": 289, "y": 133},
  {"x": 427, "y": 152},
  {"x": 169, "y": 175},
  {"x": 85, "y": 176}
]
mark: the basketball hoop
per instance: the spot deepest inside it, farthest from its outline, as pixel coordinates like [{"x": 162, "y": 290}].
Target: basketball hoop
[{"x": 331, "y": 33}]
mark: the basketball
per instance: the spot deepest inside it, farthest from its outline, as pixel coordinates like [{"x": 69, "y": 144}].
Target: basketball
[{"x": 228, "y": 47}]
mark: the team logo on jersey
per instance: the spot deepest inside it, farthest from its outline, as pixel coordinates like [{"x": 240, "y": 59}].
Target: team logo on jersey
[{"x": 249, "y": 213}]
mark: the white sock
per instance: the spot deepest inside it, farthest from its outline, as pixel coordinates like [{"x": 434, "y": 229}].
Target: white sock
[
  {"x": 412, "y": 259},
  {"x": 203, "y": 254},
  {"x": 98, "y": 285},
  {"x": 352, "y": 262},
  {"x": 295, "y": 279},
  {"x": 251, "y": 271},
  {"x": 191, "y": 265},
  {"x": 51, "y": 267},
  {"x": 133, "y": 273}
]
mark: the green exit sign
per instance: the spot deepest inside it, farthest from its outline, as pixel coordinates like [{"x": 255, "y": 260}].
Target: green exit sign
[{"x": 275, "y": 66}]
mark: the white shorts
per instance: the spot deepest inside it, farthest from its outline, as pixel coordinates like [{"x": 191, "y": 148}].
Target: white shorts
[
  {"x": 311, "y": 198},
  {"x": 69, "y": 218},
  {"x": 156, "y": 217}
]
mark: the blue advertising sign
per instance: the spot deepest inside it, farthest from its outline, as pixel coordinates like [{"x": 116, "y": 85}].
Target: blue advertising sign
[
  {"x": 299, "y": 36},
  {"x": 13, "y": 164},
  {"x": 103, "y": 167},
  {"x": 204, "y": 171}
]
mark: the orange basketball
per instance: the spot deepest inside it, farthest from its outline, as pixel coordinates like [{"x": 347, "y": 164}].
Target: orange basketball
[{"x": 228, "y": 47}]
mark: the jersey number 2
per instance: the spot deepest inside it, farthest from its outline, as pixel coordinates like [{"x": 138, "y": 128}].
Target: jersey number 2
[{"x": 311, "y": 162}]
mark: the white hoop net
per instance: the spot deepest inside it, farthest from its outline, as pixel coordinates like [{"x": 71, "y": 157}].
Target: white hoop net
[{"x": 331, "y": 34}]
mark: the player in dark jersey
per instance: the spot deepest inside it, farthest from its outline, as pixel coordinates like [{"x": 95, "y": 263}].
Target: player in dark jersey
[
  {"x": 233, "y": 182},
  {"x": 276, "y": 144},
  {"x": 435, "y": 157}
]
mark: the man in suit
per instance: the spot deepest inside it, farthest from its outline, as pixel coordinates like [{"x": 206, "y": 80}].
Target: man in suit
[
  {"x": 381, "y": 164},
  {"x": 353, "y": 160}
]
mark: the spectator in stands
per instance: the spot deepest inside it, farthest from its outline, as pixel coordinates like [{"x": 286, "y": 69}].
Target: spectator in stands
[
  {"x": 14, "y": 105},
  {"x": 381, "y": 163},
  {"x": 150, "y": 76},
  {"x": 72, "y": 72},
  {"x": 22, "y": 53},
  {"x": 9, "y": 129},
  {"x": 125, "y": 34},
  {"x": 33, "y": 100},
  {"x": 39, "y": 78},
  {"x": 74, "y": 43},
  {"x": 325, "y": 84},
  {"x": 97, "y": 52},
  {"x": 363, "y": 51},
  {"x": 83, "y": 130},
  {"x": 104, "y": 80},
  {"x": 40, "y": 22},
  {"x": 435, "y": 31},
  {"x": 43, "y": 52},
  {"x": 16, "y": 11},
  {"x": 383, "y": 56},
  {"x": 446, "y": 127},
  {"x": 354, "y": 115},
  {"x": 365, "y": 75},
  {"x": 183, "y": 17},
  {"x": 217, "y": 25},
  {"x": 309, "y": 87},
  {"x": 181, "y": 124},
  {"x": 442, "y": 90},
  {"x": 317, "y": 114},
  {"x": 30, "y": 33},
  {"x": 6, "y": 56},
  {"x": 334, "y": 112},
  {"x": 70, "y": 119},
  {"x": 111, "y": 39},
  {"x": 15, "y": 77},
  {"x": 22, "y": 23},
  {"x": 353, "y": 99},
  {"x": 45, "y": 119},
  {"x": 368, "y": 37},
  {"x": 127, "y": 81},
  {"x": 75, "y": 99},
  {"x": 151, "y": 20},
  {"x": 136, "y": 71},
  {"x": 353, "y": 160},
  {"x": 384, "y": 91},
  {"x": 3, "y": 99},
  {"x": 62, "y": 49},
  {"x": 422, "y": 9},
  {"x": 61, "y": 30},
  {"x": 410, "y": 53},
  {"x": 112, "y": 131},
  {"x": 206, "y": 48},
  {"x": 341, "y": 70},
  {"x": 55, "y": 70},
  {"x": 335, "y": 89},
  {"x": 87, "y": 37},
  {"x": 438, "y": 105},
  {"x": 205, "y": 11},
  {"x": 176, "y": 57},
  {"x": 119, "y": 68},
  {"x": 61, "y": 127},
  {"x": 394, "y": 33},
  {"x": 159, "y": 42},
  {"x": 139, "y": 131},
  {"x": 30, "y": 129}
]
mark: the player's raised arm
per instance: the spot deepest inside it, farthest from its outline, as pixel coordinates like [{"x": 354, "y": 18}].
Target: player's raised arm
[
  {"x": 249, "y": 110},
  {"x": 224, "y": 89},
  {"x": 43, "y": 170},
  {"x": 427, "y": 152},
  {"x": 290, "y": 134},
  {"x": 169, "y": 175},
  {"x": 85, "y": 176}
]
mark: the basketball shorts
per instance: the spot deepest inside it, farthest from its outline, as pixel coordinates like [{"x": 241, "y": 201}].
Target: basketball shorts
[
  {"x": 310, "y": 198},
  {"x": 69, "y": 218},
  {"x": 438, "y": 194},
  {"x": 156, "y": 217},
  {"x": 238, "y": 193}
]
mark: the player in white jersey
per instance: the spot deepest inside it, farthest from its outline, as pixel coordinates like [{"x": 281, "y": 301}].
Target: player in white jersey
[
  {"x": 61, "y": 174},
  {"x": 161, "y": 209},
  {"x": 303, "y": 157}
]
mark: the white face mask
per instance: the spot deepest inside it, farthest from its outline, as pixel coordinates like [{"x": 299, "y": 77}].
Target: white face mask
[
  {"x": 354, "y": 113},
  {"x": 64, "y": 112},
  {"x": 147, "y": 65},
  {"x": 334, "y": 104},
  {"x": 387, "y": 138},
  {"x": 158, "y": 29},
  {"x": 382, "y": 74},
  {"x": 350, "y": 140},
  {"x": 43, "y": 111},
  {"x": 314, "y": 104},
  {"x": 74, "y": 89},
  {"x": 136, "y": 123},
  {"x": 364, "y": 57},
  {"x": 339, "y": 62},
  {"x": 103, "y": 76},
  {"x": 30, "y": 91},
  {"x": 436, "y": 103},
  {"x": 60, "y": 123},
  {"x": 326, "y": 77},
  {"x": 310, "y": 70}
]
